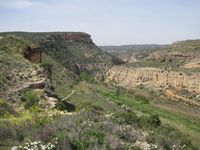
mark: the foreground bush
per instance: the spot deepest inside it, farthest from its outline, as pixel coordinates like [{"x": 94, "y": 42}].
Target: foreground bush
[
  {"x": 85, "y": 77},
  {"x": 30, "y": 98},
  {"x": 169, "y": 138},
  {"x": 5, "y": 108},
  {"x": 150, "y": 122},
  {"x": 65, "y": 106}
]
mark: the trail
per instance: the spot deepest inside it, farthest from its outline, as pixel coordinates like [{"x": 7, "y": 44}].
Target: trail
[{"x": 69, "y": 95}]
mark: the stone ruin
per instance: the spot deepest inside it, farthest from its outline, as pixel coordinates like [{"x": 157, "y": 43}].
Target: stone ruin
[{"x": 33, "y": 54}]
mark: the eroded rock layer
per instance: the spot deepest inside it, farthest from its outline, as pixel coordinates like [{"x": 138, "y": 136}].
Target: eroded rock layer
[{"x": 179, "y": 85}]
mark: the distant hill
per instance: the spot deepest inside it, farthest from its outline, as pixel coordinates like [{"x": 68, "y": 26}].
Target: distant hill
[
  {"x": 131, "y": 53},
  {"x": 129, "y": 48}
]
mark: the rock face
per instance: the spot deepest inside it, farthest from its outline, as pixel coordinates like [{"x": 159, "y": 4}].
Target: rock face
[
  {"x": 34, "y": 55},
  {"x": 78, "y": 37},
  {"x": 157, "y": 79},
  {"x": 70, "y": 37},
  {"x": 193, "y": 64},
  {"x": 77, "y": 52}
]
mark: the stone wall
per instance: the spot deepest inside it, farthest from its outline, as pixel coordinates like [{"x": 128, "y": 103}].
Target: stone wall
[{"x": 34, "y": 55}]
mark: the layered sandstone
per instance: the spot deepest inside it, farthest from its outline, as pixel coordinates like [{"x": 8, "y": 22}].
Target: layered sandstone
[
  {"x": 158, "y": 79},
  {"x": 71, "y": 36},
  {"x": 193, "y": 64}
]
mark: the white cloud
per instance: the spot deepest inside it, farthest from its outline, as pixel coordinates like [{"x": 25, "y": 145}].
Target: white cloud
[{"x": 16, "y": 4}]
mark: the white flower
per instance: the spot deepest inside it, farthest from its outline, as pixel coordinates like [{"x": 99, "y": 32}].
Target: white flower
[
  {"x": 14, "y": 148},
  {"x": 43, "y": 147}
]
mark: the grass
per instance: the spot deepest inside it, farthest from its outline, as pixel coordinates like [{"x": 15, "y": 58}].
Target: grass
[
  {"x": 188, "y": 126},
  {"x": 90, "y": 95},
  {"x": 94, "y": 101},
  {"x": 62, "y": 78}
]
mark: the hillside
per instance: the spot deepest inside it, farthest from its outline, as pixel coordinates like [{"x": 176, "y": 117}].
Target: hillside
[
  {"x": 49, "y": 99},
  {"x": 131, "y": 53},
  {"x": 74, "y": 50}
]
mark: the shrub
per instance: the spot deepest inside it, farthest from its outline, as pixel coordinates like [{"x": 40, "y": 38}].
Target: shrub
[
  {"x": 65, "y": 106},
  {"x": 167, "y": 137},
  {"x": 48, "y": 133},
  {"x": 41, "y": 121},
  {"x": 154, "y": 121},
  {"x": 149, "y": 122},
  {"x": 5, "y": 108},
  {"x": 128, "y": 118},
  {"x": 80, "y": 145},
  {"x": 142, "y": 99},
  {"x": 89, "y": 139},
  {"x": 118, "y": 92},
  {"x": 109, "y": 94},
  {"x": 96, "y": 134},
  {"x": 30, "y": 98},
  {"x": 85, "y": 77},
  {"x": 7, "y": 131},
  {"x": 45, "y": 65}
]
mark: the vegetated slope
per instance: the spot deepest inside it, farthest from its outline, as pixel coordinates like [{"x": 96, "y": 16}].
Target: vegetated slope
[
  {"x": 15, "y": 70},
  {"x": 46, "y": 101},
  {"x": 18, "y": 73},
  {"x": 74, "y": 50},
  {"x": 131, "y": 53}
]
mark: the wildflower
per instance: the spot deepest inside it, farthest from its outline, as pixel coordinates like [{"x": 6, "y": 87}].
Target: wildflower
[{"x": 14, "y": 148}]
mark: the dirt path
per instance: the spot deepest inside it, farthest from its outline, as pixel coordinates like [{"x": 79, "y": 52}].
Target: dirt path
[{"x": 69, "y": 95}]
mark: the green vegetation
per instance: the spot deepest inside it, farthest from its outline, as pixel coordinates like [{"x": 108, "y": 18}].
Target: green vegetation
[
  {"x": 90, "y": 137},
  {"x": 30, "y": 98},
  {"x": 63, "y": 79},
  {"x": 5, "y": 108},
  {"x": 85, "y": 77},
  {"x": 87, "y": 114},
  {"x": 191, "y": 126},
  {"x": 90, "y": 126},
  {"x": 13, "y": 44},
  {"x": 65, "y": 106}
]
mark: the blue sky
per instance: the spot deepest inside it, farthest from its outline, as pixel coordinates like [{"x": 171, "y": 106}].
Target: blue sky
[{"x": 110, "y": 22}]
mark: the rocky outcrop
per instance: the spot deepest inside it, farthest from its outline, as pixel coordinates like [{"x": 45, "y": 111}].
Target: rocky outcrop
[
  {"x": 33, "y": 54},
  {"x": 70, "y": 37},
  {"x": 186, "y": 43},
  {"x": 192, "y": 64},
  {"x": 158, "y": 79},
  {"x": 97, "y": 70},
  {"x": 78, "y": 37},
  {"x": 77, "y": 52}
]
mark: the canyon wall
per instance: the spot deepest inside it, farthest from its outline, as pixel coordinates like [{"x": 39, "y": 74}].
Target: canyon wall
[{"x": 173, "y": 84}]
